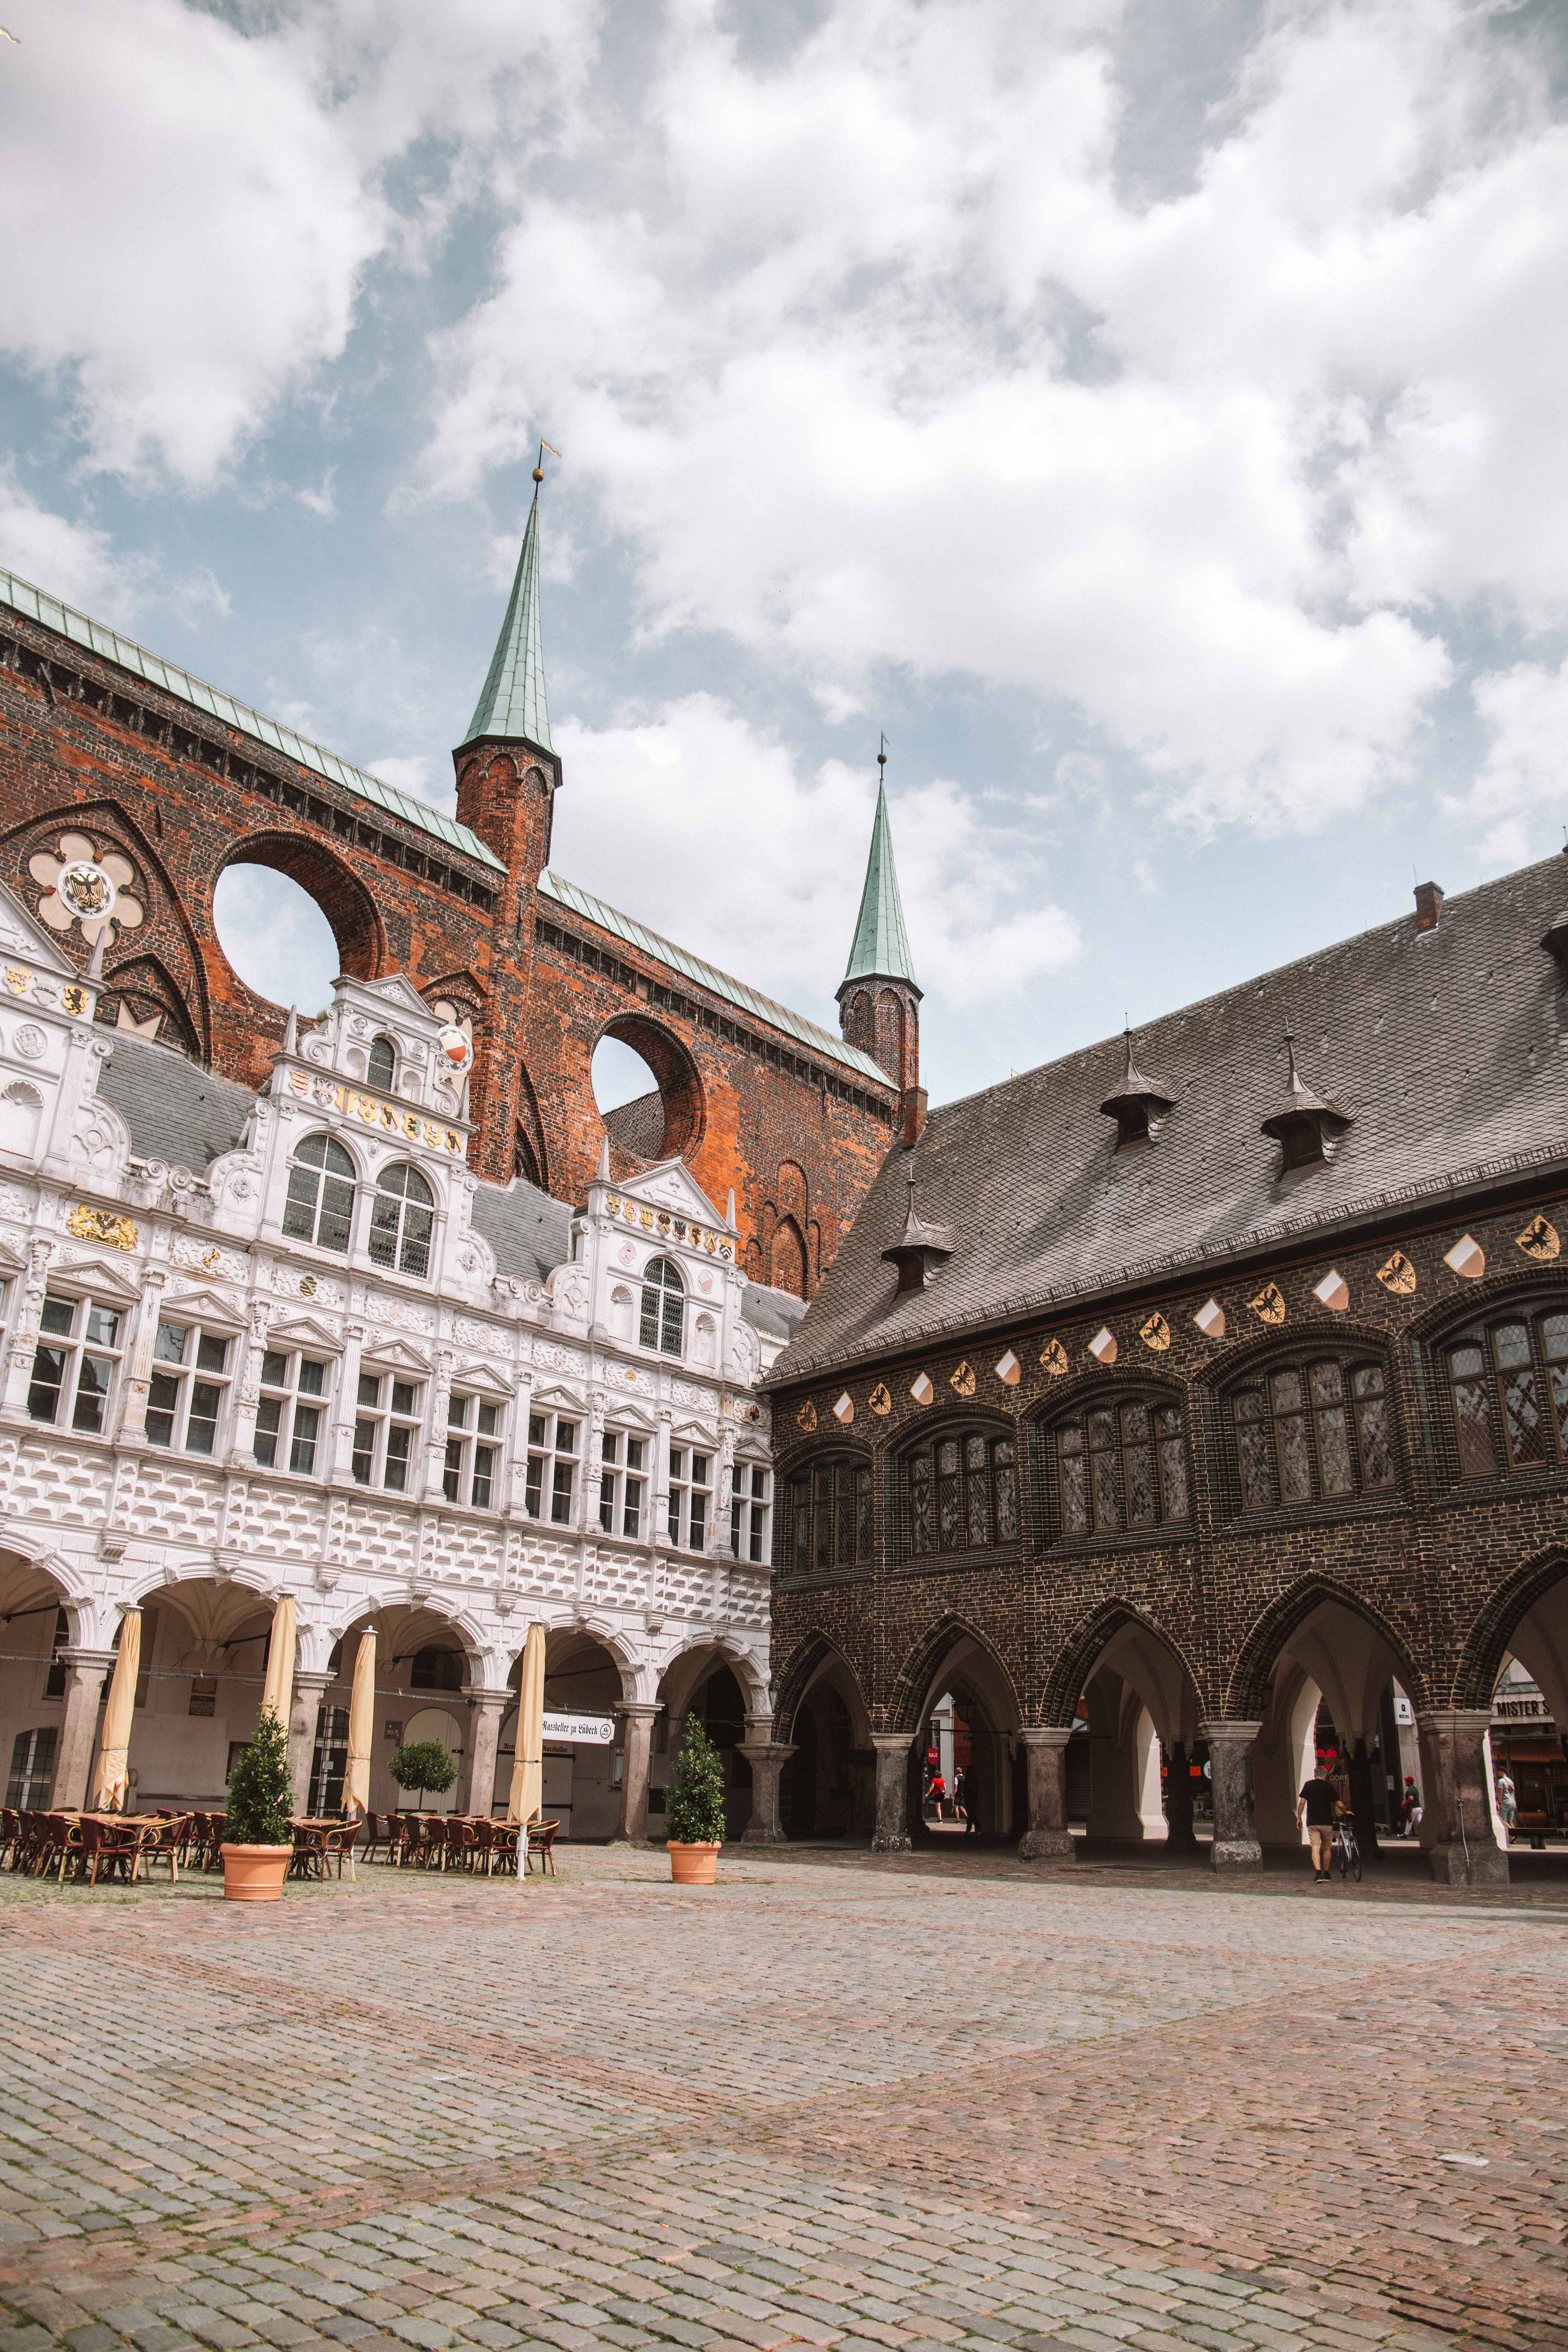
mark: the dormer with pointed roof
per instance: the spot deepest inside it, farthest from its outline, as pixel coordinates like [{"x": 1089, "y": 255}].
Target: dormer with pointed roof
[
  {"x": 1140, "y": 1105},
  {"x": 878, "y": 997},
  {"x": 1308, "y": 1127},
  {"x": 920, "y": 1248}
]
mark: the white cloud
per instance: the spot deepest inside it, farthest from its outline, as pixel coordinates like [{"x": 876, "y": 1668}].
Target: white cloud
[
  {"x": 690, "y": 820},
  {"x": 73, "y": 561},
  {"x": 1522, "y": 777},
  {"x": 872, "y": 360}
]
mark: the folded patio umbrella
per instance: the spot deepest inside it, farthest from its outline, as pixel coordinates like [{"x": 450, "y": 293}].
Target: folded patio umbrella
[
  {"x": 361, "y": 1729},
  {"x": 114, "y": 1747},
  {"x": 527, "y": 1792},
  {"x": 277, "y": 1688}
]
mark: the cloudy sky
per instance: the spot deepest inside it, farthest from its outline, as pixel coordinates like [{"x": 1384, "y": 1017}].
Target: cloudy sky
[{"x": 1151, "y": 415}]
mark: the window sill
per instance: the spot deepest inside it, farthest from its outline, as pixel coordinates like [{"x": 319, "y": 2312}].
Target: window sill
[
  {"x": 946, "y": 1563},
  {"x": 1164, "y": 1537},
  {"x": 1501, "y": 1485},
  {"x": 1314, "y": 1515}
]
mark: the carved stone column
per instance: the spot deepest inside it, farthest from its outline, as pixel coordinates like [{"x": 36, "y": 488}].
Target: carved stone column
[
  {"x": 1048, "y": 1837},
  {"x": 892, "y": 1830},
  {"x": 1236, "y": 1844},
  {"x": 304, "y": 1709},
  {"x": 139, "y": 1367},
  {"x": 637, "y": 1720},
  {"x": 477, "y": 1792},
  {"x": 1463, "y": 1851},
  {"x": 85, "y": 1671},
  {"x": 767, "y": 1758}
]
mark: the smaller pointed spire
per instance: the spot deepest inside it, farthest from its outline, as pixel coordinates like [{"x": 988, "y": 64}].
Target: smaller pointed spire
[
  {"x": 1308, "y": 1126},
  {"x": 729, "y": 1211},
  {"x": 291, "y": 1031},
  {"x": 511, "y": 705},
  {"x": 602, "y": 1172},
  {"x": 882, "y": 946}
]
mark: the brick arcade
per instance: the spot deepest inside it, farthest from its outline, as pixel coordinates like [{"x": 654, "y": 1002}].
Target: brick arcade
[{"x": 107, "y": 751}]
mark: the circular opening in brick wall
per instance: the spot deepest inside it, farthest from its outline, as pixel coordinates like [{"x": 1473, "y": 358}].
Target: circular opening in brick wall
[
  {"x": 291, "y": 919},
  {"x": 646, "y": 1090}
]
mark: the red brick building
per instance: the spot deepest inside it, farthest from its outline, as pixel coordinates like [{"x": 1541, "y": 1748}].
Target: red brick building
[{"x": 103, "y": 744}]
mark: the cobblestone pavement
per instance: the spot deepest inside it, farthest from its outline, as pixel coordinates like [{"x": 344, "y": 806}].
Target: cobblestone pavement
[{"x": 830, "y": 2101}]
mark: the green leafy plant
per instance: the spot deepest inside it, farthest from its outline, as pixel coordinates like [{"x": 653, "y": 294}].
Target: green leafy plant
[
  {"x": 261, "y": 1788},
  {"x": 694, "y": 1810},
  {"x": 424, "y": 1764}
]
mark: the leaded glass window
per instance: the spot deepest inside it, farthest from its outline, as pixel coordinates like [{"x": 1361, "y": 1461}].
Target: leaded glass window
[
  {"x": 320, "y": 1203},
  {"x": 402, "y": 1220},
  {"x": 663, "y": 1306},
  {"x": 1120, "y": 1466},
  {"x": 831, "y": 1520},
  {"x": 962, "y": 1492},
  {"x": 1311, "y": 1432},
  {"x": 1509, "y": 1381}
]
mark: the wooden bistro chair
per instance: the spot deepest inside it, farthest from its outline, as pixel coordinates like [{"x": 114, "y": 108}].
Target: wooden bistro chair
[
  {"x": 396, "y": 1838},
  {"x": 60, "y": 1844},
  {"x": 310, "y": 1851},
  {"x": 504, "y": 1848},
  {"x": 164, "y": 1841},
  {"x": 10, "y": 1826},
  {"x": 113, "y": 1847},
  {"x": 541, "y": 1837},
  {"x": 460, "y": 1840},
  {"x": 340, "y": 1845},
  {"x": 371, "y": 1835}
]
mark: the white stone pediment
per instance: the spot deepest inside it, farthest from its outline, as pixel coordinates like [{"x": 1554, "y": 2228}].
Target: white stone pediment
[
  {"x": 671, "y": 1185},
  {"x": 304, "y": 1331},
  {"x": 9, "y": 1261},
  {"x": 622, "y": 1413},
  {"x": 557, "y": 1400},
  {"x": 487, "y": 1377},
  {"x": 687, "y": 1431},
  {"x": 206, "y": 1306},
  {"x": 96, "y": 1274},
  {"x": 395, "y": 1356},
  {"x": 395, "y": 989}
]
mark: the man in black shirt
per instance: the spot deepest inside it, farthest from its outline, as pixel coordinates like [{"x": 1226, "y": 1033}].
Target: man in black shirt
[{"x": 1319, "y": 1804}]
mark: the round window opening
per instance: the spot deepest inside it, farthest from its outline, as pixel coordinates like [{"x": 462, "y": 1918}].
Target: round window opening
[
  {"x": 646, "y": 1090},
  {"x": 276, "y": 937}
]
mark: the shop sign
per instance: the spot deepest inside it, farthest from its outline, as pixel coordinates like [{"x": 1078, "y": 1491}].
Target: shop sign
[{"x": 581, "y": 1730}]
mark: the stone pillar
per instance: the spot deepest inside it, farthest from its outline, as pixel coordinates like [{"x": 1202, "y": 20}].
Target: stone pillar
[
  {"x": 893, "y": 1831},
  {"x": 1180, "y": 1836},
  {"x": 767, "y": 1758},
  {"x": 85, "y": 1671},
  {"x": 1362, "y": 1803},
  {"x": 1462, "y": 1848},
  {"x": 478, "y": 1785},
  {"x": 1235, "y": 1845},
  {"x": 1048, "y": 1837},
  {"x": 310, "y": 1685},
  {"x": 638, "y": 1720}
]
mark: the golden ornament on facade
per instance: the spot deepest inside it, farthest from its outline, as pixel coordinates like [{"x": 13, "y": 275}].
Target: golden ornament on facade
[
  {"x": 881, "y": 1403},
  {"x": 1053, "y": 1357},
  {"x": 1397, "y": 1275},
  {"x": 1269, "y": 1304},
  {"x": 806, "y": 1417},
  {"x": 1540, "y": 1241},
  {"x": 75, "y": 999},
  {"x": 101, "y": 1225},
  {"x": 1156, "y": 1334},
  {"x": 963, "y": 1381}
]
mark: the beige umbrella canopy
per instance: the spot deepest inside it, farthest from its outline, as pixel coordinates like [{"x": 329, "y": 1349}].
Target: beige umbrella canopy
[
  {"x": 527, "y": 1794},
  {"x": 278, "y": 1689},
  {"x": 115, "y": 1746},
  {"x": 361, "y": 1729}
]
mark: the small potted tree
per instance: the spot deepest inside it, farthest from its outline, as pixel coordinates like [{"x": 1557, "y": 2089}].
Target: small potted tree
[
  {"x": 694, "y": 1813},
  {"x": 259, "y": 1836},
  {"x": 425, "y": 1764}
]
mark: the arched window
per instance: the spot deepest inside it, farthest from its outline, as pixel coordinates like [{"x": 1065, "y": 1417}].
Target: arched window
[
  {"x": 1119, "y": 1465},
  {"x": 962, "y": 1492},
  {"x": 831, "y": 1521},
  {"x": 381, "y": 1068},
  {"x": 663, "y": 1306},
  {"x": 402, "y": 1220},
  {"x": 1509, "y": 1382},
  {"x": 1310, "y": 1433},
  {"x": 320, "y": 1203}
]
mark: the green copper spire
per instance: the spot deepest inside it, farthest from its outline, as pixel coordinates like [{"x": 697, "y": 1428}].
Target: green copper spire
[
  {"x": 512, "y": 703},
  {"x": 881, "y": 944}
]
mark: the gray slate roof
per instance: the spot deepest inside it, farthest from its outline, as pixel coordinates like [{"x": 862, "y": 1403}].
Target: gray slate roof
[
  {"x": 776, "y": 1312},
  {"x": 180, "y": 1113},
  {"x": 1448, "y": 1048},
  {"x": 176, "y": 1111}
]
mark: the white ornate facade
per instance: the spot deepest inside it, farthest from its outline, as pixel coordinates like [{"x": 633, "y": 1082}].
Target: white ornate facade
[{"x": 287, "y": 1341}]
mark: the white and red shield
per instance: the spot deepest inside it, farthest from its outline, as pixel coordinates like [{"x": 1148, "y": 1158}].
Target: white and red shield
[{"x": 457, "y": 1048}]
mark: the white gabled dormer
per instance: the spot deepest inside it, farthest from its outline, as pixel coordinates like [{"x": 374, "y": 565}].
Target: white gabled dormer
[{"x": 661, "y": 1265}]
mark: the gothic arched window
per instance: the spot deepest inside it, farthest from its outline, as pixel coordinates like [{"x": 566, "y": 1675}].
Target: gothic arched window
[
  {"x": 1311, "y": 1432},
  {"x": 402, "y": 1220},
  {"x": 831, "y": 1520},
  {"x": 963, "y": 1491},
  {"x": 1118, "y": 1467},
  {"x": 663, "y": 1306},
  {"x": 320, "y": 1203},
  {"x": 381, "y": 1066},
  {"x": 1509, "y": 1383}
]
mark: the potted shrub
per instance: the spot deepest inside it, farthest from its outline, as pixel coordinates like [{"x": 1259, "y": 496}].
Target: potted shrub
[
  {"x": 259, "y": 1836},
  {"x": 427, "y": 1764},
  {"x": 694, "y": 1810}
]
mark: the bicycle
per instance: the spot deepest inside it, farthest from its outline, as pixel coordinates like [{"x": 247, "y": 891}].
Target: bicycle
[{"x": 1347, "y": 1850}]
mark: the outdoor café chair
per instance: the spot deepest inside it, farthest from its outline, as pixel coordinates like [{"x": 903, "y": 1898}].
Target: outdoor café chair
[
  {"x": 61, "y": 1841},
  {"x": 310, "y": 1851},
  {"x": 339, "y": 1845},
  {"x": 542, "y": 1836},
  {"x": 459, "y": 1843},
  {"x": 10, "y": 1825},
  {"x": 372, "y": 1835},
  {"x": 503, "y": 1845},
  {"x": 397, "y": 1839},
  {"x": 109, "y": 1846},
  {"x": 162, "y": 1841}
]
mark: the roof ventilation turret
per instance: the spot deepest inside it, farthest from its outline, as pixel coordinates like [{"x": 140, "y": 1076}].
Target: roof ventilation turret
[
  {"x": 1140, "y": 1107},
  {"x": 1555, "y": 942},
  {"x": 1308, "y": 1126},
  {"x": 919, "y": 1248}
]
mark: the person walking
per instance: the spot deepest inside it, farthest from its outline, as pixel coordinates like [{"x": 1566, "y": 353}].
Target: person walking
[
  {"x": 1317, "y": 1805},
  {"x": 1409, "y": 1805},
  {"x": 936, "y": 1792}
]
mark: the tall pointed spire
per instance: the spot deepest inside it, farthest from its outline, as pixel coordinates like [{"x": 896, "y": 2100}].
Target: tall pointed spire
[
  {"x": 882, "y": 943},
  {"x": 512, "y": 705}
]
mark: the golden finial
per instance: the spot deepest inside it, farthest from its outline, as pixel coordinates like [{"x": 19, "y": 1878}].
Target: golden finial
[{"x": 539, "y": 470}]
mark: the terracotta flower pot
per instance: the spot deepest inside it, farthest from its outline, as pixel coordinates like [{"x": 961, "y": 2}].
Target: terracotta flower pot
[
  {"x": 692, "y": 1865},
  {"x": 255, "y": 1874}
]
